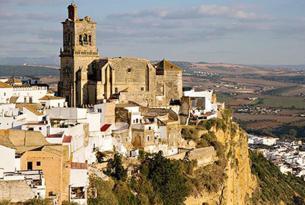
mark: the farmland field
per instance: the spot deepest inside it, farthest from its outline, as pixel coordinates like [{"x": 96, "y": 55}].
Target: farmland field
[{"x": 281, "y": 102}]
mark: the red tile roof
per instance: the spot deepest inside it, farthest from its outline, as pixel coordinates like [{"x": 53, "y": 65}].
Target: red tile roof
[
  {"x": 105, "y": 127},
  {"x": 77, "y": 165},
  {"x": 55, "y": 135},
  {"x": 67, "y": 139}
]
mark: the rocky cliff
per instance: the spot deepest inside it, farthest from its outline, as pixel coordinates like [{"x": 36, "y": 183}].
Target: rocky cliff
[{"x": 238, "y": 183}]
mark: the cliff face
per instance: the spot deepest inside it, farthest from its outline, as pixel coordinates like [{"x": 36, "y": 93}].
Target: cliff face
[{"x": 238, "y": 183}]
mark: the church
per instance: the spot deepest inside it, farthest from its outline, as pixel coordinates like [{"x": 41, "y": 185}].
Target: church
[{"x": 86, "y": 78}]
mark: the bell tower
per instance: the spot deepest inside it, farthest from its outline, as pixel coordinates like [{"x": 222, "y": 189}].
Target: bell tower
[
  {"x": 78, "y": 52},
  {"x": 72, "y": 12}
]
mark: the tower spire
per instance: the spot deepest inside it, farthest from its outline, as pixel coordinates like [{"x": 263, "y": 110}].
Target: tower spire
[{"x": 72, "y": 11}]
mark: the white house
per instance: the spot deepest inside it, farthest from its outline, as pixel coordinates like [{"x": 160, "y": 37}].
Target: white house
[
  {"x": 41, "y": 126},
  {"x": 7, "y": 162},
  {"x": 79, "y": 182},
  {"x": 206, "y": 96},
  {"x": 50, "y": 101},
  {"x": 21, "y": 93}
]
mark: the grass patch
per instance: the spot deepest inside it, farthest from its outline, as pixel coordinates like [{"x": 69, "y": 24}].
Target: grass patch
[{"x": 281, "y": 102}]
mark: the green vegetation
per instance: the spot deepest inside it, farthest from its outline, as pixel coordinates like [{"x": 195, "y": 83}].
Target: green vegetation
[
  {"x": 224, "y": 97},
  {"x": 281, "y": 91},
  {"x": 290, "y": 130},
  {"x": 160, "y": 181},
  {"x": 167, "y": 179},
  {"x": 281, "y": 102},
  {"x": 69, "y": 203},
  {"x": 115, "y": 168},
  {"x": 293, "y": 130},
  {"x": 103, "y": 191},
  {"x": 273, "y": 185},
  {"x": 299, "y": 79},
  {"x": 7, "y": 70},
  {"x": 100, "y": 156}
]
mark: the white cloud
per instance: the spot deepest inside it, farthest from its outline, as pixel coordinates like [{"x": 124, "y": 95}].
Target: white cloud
[
  {"x": 225, "y": 11},
  {"x": 202, "y": 11}
]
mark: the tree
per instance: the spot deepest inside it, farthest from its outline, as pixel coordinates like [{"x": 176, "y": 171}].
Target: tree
[
  {"x": 167, "y": 179},
  {"x": 103, "y": 192},
  {"x": 100, "y": 156},
  {"x": 115, "y": 168}
]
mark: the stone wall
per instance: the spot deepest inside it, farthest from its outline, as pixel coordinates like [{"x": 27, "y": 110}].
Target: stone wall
[
  {"x": 203, "y": 156},
  {"x": 15, "y": 191}
]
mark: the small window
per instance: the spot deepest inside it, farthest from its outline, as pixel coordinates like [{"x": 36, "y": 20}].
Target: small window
[
  {"x": 38, "y": 163},
  {"x": 116, "y": 90},
  {"x": 80, "y": 39},
  {"x": 30, "y": 166},
  {"x": 142, "y": 88},
  {"x": 129, "y": 70},
  {"x": 85, "y": 39},
  {"x": 40, "y": 128}
]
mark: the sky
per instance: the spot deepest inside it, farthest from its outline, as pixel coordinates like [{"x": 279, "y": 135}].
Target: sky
[{"x": 229, "y": 31}]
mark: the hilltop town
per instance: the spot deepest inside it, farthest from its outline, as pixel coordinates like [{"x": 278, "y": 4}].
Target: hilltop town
[
  {"x": 52, "y": 143},
  {"x": 132, "y": 131}
]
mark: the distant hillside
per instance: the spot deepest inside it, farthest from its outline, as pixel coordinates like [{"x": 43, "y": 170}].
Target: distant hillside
[
  {"x": 275, "y": 187},
  {"x": 51, "y": 60},
  {"x": 9, "y": 70}
]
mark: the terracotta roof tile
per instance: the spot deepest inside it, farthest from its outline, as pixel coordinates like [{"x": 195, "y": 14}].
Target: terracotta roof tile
[
  {"x": 105, "y": 127},
  {"x": 5, "y": 85},
  {"x": 51, "y": 97},
  {"x": 55, "y": 135},
  {"x": 77, "y": 165},
  {"x": 67, "y": 139}
]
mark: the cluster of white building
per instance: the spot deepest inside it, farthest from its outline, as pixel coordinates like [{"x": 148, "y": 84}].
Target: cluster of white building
[
  {"x": 288, "y": 156},
  {"x": 107, "y": 128}
]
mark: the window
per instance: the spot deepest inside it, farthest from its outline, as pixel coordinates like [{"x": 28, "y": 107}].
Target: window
[
  {"x": 129, "y": 70},
  {"x": 38, "y": 163},
  {"x": 80, "y": 39},
  {"x": 85, "y": 39},
  {"x": 148, "y": 138},
  {"x": 30, "y": 166},
  {"x": 52, "y": 193},
  {"x": 116, "y": 90},
  {"x": 142, "y": 89},
  {"x": 78, "y": 193},
  {"x": 90, "y": 39},
  {"x": 40, "y": 128}
]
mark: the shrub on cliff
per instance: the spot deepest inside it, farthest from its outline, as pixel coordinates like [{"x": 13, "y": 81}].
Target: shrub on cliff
[
  {"x": 103, "y": 194},
  {"x": 115, "y": 168},
  {"x": 167, "y": 179}
]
